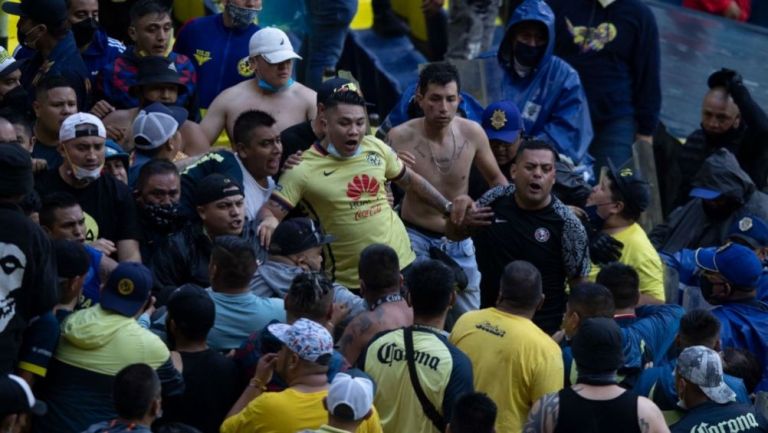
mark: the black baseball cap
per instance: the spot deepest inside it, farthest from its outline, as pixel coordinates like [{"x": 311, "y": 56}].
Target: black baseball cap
[
  {"x": 192, "y": 308},
  {"x": 156, "y": 70},
  {"x": 49, "y": 12},
  {"x": 71, "y": 258},
  {"x": 329, "y": 87},
  {"x": 634, "y": 189},
  {"x": 16, "y": 397},
  {"x": 296, "y": 235},
  {"x": 597, "y": 346},
  {"x": 216, "y": 187}
]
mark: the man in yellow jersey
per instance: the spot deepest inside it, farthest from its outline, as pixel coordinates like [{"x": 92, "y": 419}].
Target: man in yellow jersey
[
  {"x": 341, "y": 182},
  {"x": 303, "y": 363},
  {"x": 614, "y": 207},
  {"x": 513, "y": 361}
]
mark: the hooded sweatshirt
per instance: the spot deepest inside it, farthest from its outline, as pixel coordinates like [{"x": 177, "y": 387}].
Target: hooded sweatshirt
[
  {"x": 550, "y": 98},
  {"x": 690, "y": 227}
]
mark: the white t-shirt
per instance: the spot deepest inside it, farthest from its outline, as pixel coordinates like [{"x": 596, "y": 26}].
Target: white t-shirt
[{"x": 255, "y": 194}]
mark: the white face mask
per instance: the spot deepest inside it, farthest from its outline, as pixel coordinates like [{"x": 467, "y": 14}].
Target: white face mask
[
  {"x": 84, "y": 175},
  {"x": 335, "y": 152}
]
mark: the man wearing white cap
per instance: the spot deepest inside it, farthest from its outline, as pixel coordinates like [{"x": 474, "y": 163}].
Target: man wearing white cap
[
  {"x": 349, "y": 403},
  {"x": 111, "y": 223},
  {"x": 708, "y": 401},
  {"x": 302, "y": 362},
  {"x": 10, "y": 74},
  {"x": 272, "y": 89}
]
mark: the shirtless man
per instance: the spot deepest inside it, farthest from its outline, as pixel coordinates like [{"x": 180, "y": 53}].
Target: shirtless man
[
  {"x": 380, "y": 284},
  {"x": 272, "y": 90},
  {"x": 442, "y": 147},
  {"x": 157, "y": 82}
]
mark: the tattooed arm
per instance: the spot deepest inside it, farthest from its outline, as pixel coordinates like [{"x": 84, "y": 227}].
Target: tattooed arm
[
  {"x": 543, "y": 415},
  {"x": 412, "y": 182},
  {"x": 356, "y": 336},
  {"x": 649, "y": 417}
]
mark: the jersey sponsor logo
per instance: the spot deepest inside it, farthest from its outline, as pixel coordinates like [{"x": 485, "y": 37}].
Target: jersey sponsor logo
[
  {"x": 389, "y": 353},
  {"x": 13, "y": 262},
  {"x": 541, "y": 234},
  {"x": 373, "y": 159},
  {"x": 592, "y": 38},
  {"x": 244, "y": 67},
  {"x": 362, "y": 184},
  {"x": 734, "y": 425},
  {"x": 91, "y": 228},
  {"x": 491, "y": 329},
  {"x": 202, "y": 56}
]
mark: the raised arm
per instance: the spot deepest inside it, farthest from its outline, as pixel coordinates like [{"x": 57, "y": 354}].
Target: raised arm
[{"x": 271, "y": 214}]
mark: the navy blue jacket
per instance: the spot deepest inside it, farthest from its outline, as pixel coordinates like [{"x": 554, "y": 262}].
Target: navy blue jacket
[{"x": 616, "y": 51}]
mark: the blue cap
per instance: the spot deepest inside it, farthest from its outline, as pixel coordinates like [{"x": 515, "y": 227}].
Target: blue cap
[
  {"x": 750, "y": 229},
  {"x": 127, "y": 289},
  {"x": 736, "y": 263},
  {"x": 502, "y": 121},
  {"x": 705, "y": 193},
  {"x": 113, "y": 150}
]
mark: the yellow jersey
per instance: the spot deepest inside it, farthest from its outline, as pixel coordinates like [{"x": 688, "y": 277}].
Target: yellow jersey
[{"x": 348, "y": 198}]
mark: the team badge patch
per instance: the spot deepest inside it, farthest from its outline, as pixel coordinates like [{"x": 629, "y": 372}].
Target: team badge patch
[
  {"x": 541, "y": 234},
  {"x": 125, "y": 287},
  {"x": 499, "y": 119},
  {"x": 745, "y": 224}
]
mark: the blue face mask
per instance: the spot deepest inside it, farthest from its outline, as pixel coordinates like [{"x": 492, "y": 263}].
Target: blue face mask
[
  {"x": 335, "y": 152},
  {"x": 270, "y": 88},
  {"x": 595, "y": 220},
  {"x": 241, "y": 17}
]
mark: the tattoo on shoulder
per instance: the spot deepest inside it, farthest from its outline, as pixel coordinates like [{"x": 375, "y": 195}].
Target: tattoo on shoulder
[
  {"x": 543, "y": 417},
  {"x": 645, "y": 427}
]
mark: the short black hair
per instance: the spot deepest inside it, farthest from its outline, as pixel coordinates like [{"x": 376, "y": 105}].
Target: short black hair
[
  {"x": 53, "y": 202},
  {"x": 154, "y": 167},
  {"x": 17, "y": 116},
  {"x": 143, "y": 8},
  {"x": 430, "y": 284},
  {"x": 591, "y": 300},
  {"x": 627, "y": 212},
  {"x": 31, "y": 203},
  {"x": 699, "y": 327},
  {"x": 348, "y": 97},
  {"x": 473, "y": 412},
  {"x": 743, "y": 364},
  {"x": 533, "y": 144},
  {"x": 310, "y": 296},
  {"x": 246, "y": 122},
  {"x": 71, "y": 258},
  {"x": 236, "y": 261},
  {"x": 440, "y": 73},
  {"x": 192, "y": 311},
  {"x": 51, "y": 82},
  {"x": 379, "y": 268},
  {"x": 623, "y": 282},
  {"x": 520, "y": 285},
  {"x": 134, "y": 389}
]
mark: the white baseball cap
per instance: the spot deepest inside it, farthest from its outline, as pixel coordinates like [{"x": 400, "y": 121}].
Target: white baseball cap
[
  {"x": 7, "y": 63},
  {"x": 272, "y": 44},
  {"x": 354, "y": 392},
  {"x": 68, "y": 129}
]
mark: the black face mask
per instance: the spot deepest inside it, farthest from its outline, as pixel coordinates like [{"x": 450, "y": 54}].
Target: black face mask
[
  {"x": 707, "y": 288},
  {"x": 16, "y": 97},
  {"x": 720, "y": 211},
  {"x": 163, "y": 218},
  {"x": 84, "y": 31},
  {"x": 527, "y": 55},
  {"x": 728, "y": 138}
]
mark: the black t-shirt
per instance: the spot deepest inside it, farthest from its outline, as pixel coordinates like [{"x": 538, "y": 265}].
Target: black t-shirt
[
  {"x": 552, "y": 239},
  {"x": 27, "y": 279},
  {"x": 49, "y": 153},
  {"x": 107, "y": 201},
  {"x": 295, "y": 138},
  {"x": 212, "y": 385},
  {"x": 711, "y": 414}
]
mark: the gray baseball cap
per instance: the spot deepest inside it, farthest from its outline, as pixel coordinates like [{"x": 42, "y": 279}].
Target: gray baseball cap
[{"x": 702, "y": 366}]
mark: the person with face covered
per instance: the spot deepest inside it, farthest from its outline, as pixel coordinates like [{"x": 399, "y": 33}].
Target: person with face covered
[
  {"x": 218, "y": 46},
  {"x": 546, "y": 89},
  {"x": 96, "y": 47},
  {"x": 722, "y": 193},
  {"x": 730, "y": 275},
  {"x": 105, "y": 199},
  {"x": 732, "y": 120},
  {"x": 157, "y": 194},
  {"x": 43, "y": 27}
]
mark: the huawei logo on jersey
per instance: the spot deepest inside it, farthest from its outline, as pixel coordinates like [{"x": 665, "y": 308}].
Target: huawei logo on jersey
[{"x": 362, "y": 184}]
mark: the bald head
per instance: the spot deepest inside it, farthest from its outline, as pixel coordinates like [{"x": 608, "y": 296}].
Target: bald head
[
  {"x": 718, "y": 111},
  {"x": 7, "y": 131}
]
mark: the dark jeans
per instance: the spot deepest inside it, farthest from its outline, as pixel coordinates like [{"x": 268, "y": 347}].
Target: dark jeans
[
  {"x": 613, "y": 140},
  {"x": 328, "y": 24}
]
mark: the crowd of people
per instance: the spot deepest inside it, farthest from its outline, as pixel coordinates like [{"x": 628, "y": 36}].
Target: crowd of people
[{"x": 191, "y": 240}]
